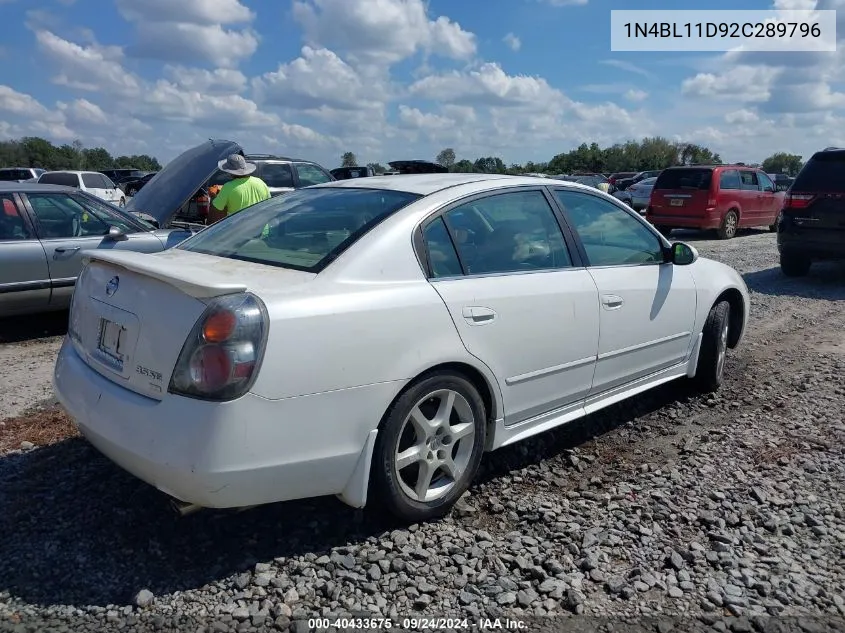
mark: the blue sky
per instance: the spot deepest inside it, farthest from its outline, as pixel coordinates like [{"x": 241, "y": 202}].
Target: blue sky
[{"x": 390, "y": 79}]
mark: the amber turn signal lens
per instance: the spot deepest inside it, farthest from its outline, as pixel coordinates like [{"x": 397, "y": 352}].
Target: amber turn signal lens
[{"x": 219, "y": 326}]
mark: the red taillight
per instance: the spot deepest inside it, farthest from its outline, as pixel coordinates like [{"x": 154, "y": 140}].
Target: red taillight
[
  {"x": 220, "y": 358},
  {"x": 797, "y": 200}
]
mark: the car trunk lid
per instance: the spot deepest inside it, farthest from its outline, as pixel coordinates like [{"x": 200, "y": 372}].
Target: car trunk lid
[
  {"x": 816, "y": 199},
  {"x": 132, "y": 312},
  {"x": 682, "y": 191}
]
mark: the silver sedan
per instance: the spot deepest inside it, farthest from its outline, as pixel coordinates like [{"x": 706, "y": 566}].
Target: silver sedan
[{"x": 44, "y": 231}]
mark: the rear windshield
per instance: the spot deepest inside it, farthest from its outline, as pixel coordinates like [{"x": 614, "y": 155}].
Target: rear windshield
[
  {"x": 304, "y": 230},
  {"x": 823, "y": 172},
  {"x": 59, "y": 178},
  {"x": 684, "y": 179}
]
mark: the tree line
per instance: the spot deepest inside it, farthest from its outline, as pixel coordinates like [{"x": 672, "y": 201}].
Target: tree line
[
  {"x": 32, "y": 151},
  {"x": 644, "y": 155}
]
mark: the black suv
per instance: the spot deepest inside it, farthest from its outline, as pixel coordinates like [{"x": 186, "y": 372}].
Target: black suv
[{"x": 811, "y": 225}]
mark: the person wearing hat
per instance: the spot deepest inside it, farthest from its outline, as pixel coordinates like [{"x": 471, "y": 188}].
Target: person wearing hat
[{"x": 240, "y": 192}]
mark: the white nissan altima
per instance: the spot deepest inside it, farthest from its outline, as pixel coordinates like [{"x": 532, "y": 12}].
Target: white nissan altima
[{"x": 372, "y": 338}]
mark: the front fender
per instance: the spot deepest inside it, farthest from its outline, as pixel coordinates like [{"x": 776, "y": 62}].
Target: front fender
[{"x": 714, "y": 281}]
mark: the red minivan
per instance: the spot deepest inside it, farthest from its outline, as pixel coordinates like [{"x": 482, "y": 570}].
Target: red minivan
[{"x": 721, "y": 197}]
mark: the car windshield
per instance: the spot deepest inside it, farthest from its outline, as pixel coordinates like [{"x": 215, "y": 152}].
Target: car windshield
[
  {"x": 304, "y": 230},
  {"x": 824, "y": 172},
  {"x": 684, "y": 178}
]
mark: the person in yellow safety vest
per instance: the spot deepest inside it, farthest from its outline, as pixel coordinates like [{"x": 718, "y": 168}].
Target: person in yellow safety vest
[{"x": 242, "y": 191}]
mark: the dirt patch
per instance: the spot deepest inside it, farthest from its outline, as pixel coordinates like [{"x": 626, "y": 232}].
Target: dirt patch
[{"x": 39, "y": 427}]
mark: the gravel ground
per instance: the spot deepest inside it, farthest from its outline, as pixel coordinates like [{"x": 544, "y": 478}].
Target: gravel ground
[{"x": 671, "y": 509}]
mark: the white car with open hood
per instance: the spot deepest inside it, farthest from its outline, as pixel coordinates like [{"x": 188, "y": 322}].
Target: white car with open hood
[{"x": 381, "y": 334}]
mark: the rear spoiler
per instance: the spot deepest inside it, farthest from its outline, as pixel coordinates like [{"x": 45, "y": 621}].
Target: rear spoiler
[{"x": 198, "y": 280}]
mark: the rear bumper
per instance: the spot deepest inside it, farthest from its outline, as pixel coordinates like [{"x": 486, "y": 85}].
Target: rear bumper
[
  {"x": 830, "y": 245},
  {"x": 683, "y": 221},
  {"x": 245, "y": 452}
]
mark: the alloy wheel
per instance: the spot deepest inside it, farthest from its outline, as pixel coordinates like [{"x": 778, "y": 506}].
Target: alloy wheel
[{"x": 435, "y": 445}]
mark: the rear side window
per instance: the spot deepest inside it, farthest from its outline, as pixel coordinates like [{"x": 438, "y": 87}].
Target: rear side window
[
  {"x": 59, "y": 178},
  {"x": 8, "y": 175},
  {"x": 93, "y": 181},
  {"x": 12, "y": 225},
  {"x": 824, "y": 172},
  {"x": 684, "y": 179},
  {"x": 276, "y": 174},
  {"x": 442, "y": 256},
  {"x": 749, "y": 180},
  {"x": 729, "y": 179}
]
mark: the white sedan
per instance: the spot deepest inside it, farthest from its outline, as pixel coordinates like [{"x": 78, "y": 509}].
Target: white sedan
[{"x": 380, "y": 335}]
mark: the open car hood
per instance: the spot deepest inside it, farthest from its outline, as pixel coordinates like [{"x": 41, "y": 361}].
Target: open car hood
[
  {"x": 417, "y": 167},
  {"x": 166, "y": 192}
]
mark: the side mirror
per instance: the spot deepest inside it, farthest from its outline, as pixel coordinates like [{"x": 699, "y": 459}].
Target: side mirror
[
  {"x": 683, "y": 254},
  {"x": 116, "y": 234}
]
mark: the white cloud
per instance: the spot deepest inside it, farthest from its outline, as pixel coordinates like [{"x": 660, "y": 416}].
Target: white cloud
[
  {"x": 739, "y": 83},
  {"x": 191, "y": 31},
  {"x": 218, "y": 81},
  {"x": 317, "y": 79},
  {"x": 381, "y": 31},
  {"x": 636, "y": 95},
  {"x": 512, "y": 41},
  {"x": 416, "y": 119},
  {"x": 741, "y": 116},
  {"x": 626, "y": 66}
]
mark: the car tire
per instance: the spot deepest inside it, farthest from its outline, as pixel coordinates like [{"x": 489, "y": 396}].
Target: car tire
[
  {"x": 714, "y": 348},
  {"x": 793, "y": 265},
  {"x": 665, "y": 231},
  {"x": 429, "y": 449},
  {"x": 729, "y": 226}
]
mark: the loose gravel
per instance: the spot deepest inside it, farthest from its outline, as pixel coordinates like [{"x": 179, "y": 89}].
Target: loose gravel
[{"x": 670, "y": 511}]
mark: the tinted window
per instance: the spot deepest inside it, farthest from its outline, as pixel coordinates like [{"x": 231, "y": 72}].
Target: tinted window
[
  {"x": 276, "y": 174},
  {"x": 93, "y": 181},
  {"x": 304, "y": 230},
  {"x": 8, "y": 175},
  {"x": 441, "y": 252},
  {"x": 508, "y": 232},
  {"x": 107, "y": 213},
  {"x": 611, "y": 236},
  {"x": 729, "y": 179},
  {"x": 824, "y": 172},
  {"x": 59, "y": 178},
  {"x": 748, "y": 180},
  {"x": 12, "y": 225},
  {"x": 765, "y": 182},
  {"x": 61, "y": 216},
  {"x": 686, "y": 178},
  {"x": 311, "y": 175}
]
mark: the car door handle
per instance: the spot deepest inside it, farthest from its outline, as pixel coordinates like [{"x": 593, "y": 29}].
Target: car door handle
[
  {"x": 67, "y": 249},
  {"x": 478, "y": 315},
  {"x": 612, "y": 302}
]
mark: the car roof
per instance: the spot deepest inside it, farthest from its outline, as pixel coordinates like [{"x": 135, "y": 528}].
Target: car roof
[
  {"x": 71, "y": 171},
  {"x": 426, "y": 184},
  {"x": 32, "y": 187}
]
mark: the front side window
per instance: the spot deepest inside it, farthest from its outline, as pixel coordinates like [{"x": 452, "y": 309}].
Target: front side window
[
  {"x": 507, "y": 232},
  {"x": 108, "y": 214},
  {"x": 276, "y": 175},
  {"x": 12, "y": 225},
  {"x": 304, "y": 230},
  {"x": 61, "y": 216},
  {"x": 729, "y": 179},
  {"x": 766, "y": 183},
  {"x": 311, "y": 175},
  {"x": 611, "y": 236}
]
